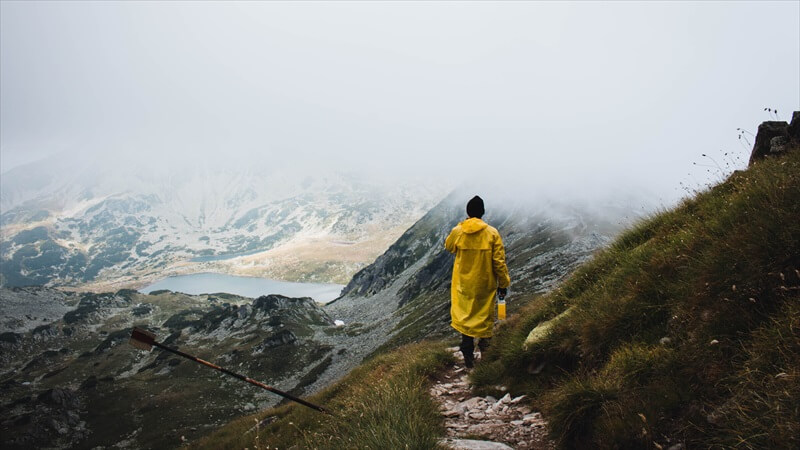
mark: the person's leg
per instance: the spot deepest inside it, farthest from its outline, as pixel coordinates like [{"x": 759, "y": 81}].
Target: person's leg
[
  {"x": 483, "y": 344},
  {"x": 467, "y": 348}
]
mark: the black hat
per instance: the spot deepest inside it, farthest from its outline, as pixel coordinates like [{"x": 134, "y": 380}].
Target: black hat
[{"x": 475, "y": 207}]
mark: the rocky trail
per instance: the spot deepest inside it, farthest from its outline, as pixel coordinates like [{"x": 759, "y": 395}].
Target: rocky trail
[{"x": 485, "y": 423}]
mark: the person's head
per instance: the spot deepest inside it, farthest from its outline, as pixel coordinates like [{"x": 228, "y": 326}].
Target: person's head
[{"x": 475, "y": 207}]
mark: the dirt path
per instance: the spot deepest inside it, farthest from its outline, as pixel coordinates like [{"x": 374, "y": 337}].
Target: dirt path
[{"x": 507, "y": 420}]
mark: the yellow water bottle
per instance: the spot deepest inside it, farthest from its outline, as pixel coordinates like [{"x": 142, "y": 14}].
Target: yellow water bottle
[{"x": 501, "y": 307}]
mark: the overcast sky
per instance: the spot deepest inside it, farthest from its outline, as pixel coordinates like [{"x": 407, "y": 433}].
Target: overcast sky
[{"x": 583, "y": 94}]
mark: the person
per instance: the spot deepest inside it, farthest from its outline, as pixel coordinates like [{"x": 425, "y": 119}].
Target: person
[{"x": 479, "y": 271}]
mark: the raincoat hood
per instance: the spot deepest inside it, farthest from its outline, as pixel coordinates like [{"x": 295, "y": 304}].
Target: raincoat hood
[{"x": 473, "y": 225}]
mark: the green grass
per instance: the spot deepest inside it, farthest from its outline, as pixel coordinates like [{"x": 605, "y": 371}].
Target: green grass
[
  {"x": 384, "y": 403},
  {"x": 719, "y": 278}
]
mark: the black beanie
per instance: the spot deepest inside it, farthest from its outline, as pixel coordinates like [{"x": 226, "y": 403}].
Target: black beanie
[{"x": 475, "y": 207}]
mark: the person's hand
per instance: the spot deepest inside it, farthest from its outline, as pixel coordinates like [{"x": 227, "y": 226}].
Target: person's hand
[{"x": 501, "y": 292}]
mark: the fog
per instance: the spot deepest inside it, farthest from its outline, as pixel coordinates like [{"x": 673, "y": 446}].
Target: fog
[{"x": 587, "y": 97}]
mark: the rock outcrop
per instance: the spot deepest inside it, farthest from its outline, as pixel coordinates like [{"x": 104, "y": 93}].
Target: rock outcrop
[{"x": 776, "y": 137}]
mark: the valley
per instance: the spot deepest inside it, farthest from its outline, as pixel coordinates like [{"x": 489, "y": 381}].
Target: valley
[
  {"x": 66, "y": 368},
  {"x": 125, "y": 229}
]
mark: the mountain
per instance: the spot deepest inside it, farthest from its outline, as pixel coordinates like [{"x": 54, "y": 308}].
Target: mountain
[
  {"x": 682, "y": 332},
  {"x": 103, "y": 225},
  {"x": 70, "y": 379}
]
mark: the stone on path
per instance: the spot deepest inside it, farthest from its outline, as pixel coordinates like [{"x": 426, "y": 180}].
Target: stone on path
[
  {"x": 472, "y": 444},
  {"x": 492, "y": 423}
]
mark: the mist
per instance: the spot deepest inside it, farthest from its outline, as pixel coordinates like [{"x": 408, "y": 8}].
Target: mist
[{"x": 581, "y": 99}]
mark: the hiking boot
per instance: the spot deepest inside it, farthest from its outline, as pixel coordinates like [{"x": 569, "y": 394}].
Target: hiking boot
[
  {"x": 467, "y": 348},
  {"x": 469, "y": 361}
]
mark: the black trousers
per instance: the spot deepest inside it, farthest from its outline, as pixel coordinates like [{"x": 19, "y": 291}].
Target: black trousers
[{"x": 467, "y": 346}]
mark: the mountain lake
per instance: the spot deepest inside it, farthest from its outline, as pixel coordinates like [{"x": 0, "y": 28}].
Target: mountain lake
[
  {"x": 210, "y": 283},
  {"x": 223, "y": 257}
]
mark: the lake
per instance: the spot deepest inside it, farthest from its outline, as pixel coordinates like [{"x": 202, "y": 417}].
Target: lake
[
  {"x": 223, "y": 257},
  {"x": 209, "y": 283}
]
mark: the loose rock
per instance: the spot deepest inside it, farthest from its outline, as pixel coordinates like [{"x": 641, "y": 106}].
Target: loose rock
[
  {"x": 516, "y": 400},
  {"x": 472, "y": 444},
  {"x": 503, "y": 423}
]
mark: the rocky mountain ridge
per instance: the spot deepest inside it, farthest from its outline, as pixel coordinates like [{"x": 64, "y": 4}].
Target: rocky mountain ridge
[
  {"x": 70, "y": 379},
  {"x": 103, "y": 230}
]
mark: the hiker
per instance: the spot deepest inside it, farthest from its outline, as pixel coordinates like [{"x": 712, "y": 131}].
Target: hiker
[{"x": 478, "y": 272}]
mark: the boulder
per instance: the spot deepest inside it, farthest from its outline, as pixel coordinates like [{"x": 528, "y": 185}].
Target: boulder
[
  {"x": 766, "y": 144},
  {"x": 543, "y": 329},
  {"x": 472, "y": 403},
  {"x": 473, "y": 444}
]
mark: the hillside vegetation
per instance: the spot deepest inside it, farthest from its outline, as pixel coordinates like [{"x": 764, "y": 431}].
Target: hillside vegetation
[
  {"x": 383, "y": 403},
  {"x": 683, "y": 333},
  {"x": 685, "y": 330}
]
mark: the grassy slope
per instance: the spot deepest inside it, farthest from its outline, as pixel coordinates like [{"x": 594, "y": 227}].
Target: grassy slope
[
  {"x": 383, "y": 403},
  {"x": 719, "y": 277}
]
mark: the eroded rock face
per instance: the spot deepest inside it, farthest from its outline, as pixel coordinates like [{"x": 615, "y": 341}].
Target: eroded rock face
[
  {"x": 767, "y": 131},
  {"x": 282, "y": 337},
  {"x": 51, "y": 419},
  {"x": 776, "y": 137},
  {"x": 794, "y": 126}
]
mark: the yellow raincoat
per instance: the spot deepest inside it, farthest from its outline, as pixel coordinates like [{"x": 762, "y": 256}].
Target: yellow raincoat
[{"x": 479, "y": 269}]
